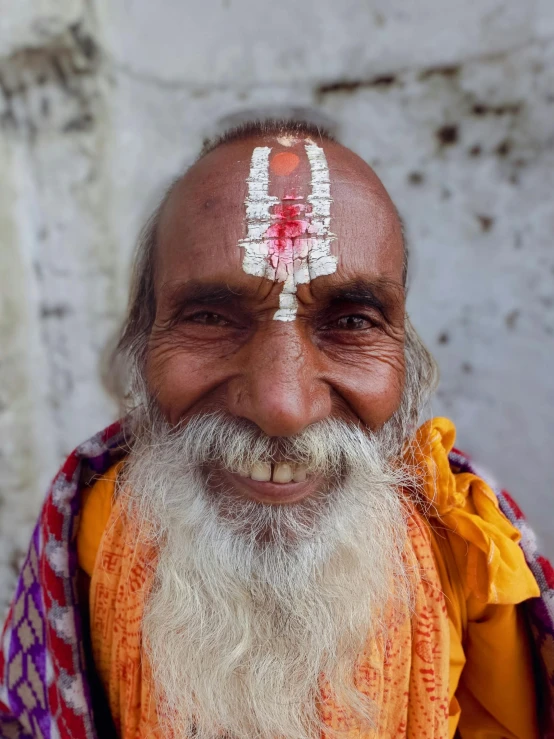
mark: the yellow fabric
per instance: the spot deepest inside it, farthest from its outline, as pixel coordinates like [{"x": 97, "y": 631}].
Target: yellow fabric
[
  {"x": 484, "y": 576},
  {"x": 96, "y": 508},
  {"x": 468, "y": 548}
]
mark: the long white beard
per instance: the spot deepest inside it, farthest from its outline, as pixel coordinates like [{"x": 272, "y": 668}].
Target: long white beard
[{"x": 240, "y": 627}]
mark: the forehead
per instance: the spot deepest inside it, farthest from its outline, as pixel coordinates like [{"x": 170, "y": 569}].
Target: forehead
[{"x": 205, "y": 218}]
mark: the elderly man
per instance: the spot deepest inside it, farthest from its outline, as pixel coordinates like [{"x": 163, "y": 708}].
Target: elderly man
[{"x": 268, "y": 546}]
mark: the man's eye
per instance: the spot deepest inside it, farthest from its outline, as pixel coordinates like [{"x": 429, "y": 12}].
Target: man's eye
[
  {"x": 209, "y": 319},
  {"x": 351, "y": 323}
]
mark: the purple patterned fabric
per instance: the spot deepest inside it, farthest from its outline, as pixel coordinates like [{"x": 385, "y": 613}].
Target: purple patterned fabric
[{"x": 44, "y": 690}]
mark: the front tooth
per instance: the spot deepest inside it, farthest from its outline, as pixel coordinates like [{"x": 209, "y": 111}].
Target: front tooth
[
  {"x": 282, "y": 472},
  {"x": 299, "y": 474},
  {"x": 261, "y": 472}
]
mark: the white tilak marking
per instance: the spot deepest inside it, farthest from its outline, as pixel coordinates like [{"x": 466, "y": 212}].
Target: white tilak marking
[
  {"x": 287, "y": 140},
  {"x": 321, "y": 262},
  {"x": 258, "y": 202},
  {"x": 312, "y": 258}
]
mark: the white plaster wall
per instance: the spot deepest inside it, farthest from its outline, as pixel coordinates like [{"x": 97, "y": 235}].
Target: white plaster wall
[{"x": 103, "y": 102}]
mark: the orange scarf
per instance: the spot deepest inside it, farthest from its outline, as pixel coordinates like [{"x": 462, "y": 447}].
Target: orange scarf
[{"x": 407, "y": 680}]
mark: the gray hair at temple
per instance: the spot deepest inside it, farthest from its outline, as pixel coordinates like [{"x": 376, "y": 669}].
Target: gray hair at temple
[{"x": 421, "y": 375}]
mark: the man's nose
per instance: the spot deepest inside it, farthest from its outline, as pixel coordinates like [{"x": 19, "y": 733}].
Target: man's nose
[{"x": 279, "y": 388}]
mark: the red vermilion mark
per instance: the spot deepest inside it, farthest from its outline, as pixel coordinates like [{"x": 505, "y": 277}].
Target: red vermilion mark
[
  {"x": 284, "y": 163},
  {"x": 290, "y": 235},
  {"x": 289, "y": 224}
]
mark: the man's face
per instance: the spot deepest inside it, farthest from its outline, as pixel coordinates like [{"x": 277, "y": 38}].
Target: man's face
[{"x": 216, "y": 344}]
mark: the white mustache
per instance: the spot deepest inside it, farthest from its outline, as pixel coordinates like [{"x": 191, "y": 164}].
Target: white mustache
[{"x": 328, "y": 448}]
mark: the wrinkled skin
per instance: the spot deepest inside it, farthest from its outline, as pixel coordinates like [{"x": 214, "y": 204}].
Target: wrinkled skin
[{"x": 214, "y": 344}]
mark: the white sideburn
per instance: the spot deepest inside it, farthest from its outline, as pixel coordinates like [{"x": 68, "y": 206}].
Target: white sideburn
[{"x": 313, "y": 258}]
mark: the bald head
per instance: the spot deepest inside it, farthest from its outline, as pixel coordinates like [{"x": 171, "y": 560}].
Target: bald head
[
  {"x": 258, "y": 193},
  {"x": 216, "y": 187}
]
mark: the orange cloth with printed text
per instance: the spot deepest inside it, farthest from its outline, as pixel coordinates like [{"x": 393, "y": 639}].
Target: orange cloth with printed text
[{"x": 459, "y": 661}]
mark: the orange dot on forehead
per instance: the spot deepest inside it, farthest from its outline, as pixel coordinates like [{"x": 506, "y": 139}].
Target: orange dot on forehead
[{"x": 284, "y": 163}]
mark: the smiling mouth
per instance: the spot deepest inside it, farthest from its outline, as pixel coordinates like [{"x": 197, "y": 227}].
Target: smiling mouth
[
  {"x": 273, "y": 484},
  {"x": 280, "y": 473}
]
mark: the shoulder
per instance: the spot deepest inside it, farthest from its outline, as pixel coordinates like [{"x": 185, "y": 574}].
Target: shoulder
[{"x": 464, "y": 516}]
